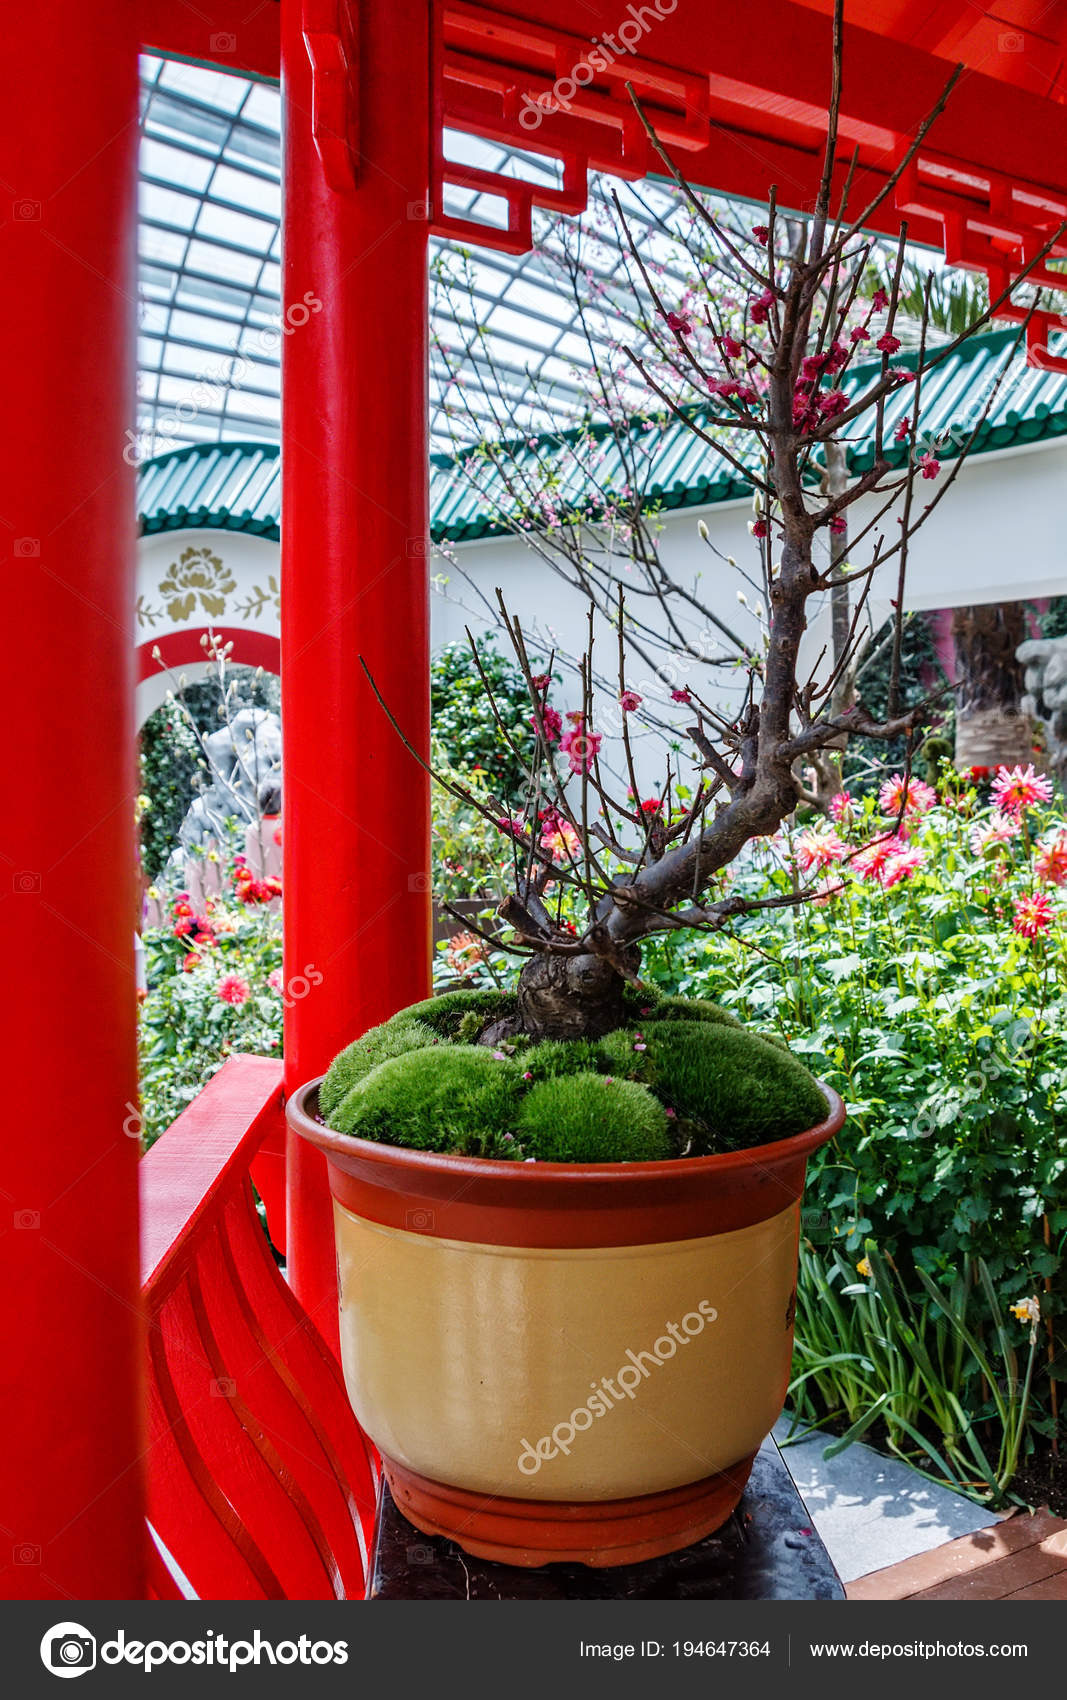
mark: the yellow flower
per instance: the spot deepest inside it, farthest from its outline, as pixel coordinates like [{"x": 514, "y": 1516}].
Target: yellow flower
[
  {"x": 1027, "y": 1310},
  {"x": 863, "y": 1267}
]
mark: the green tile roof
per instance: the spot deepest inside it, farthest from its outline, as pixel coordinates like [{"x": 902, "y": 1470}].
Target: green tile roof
[{"x": 237, "y": 486}]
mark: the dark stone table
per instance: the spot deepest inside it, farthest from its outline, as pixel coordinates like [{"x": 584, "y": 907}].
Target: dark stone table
[{"x": 767, "y": 1551}]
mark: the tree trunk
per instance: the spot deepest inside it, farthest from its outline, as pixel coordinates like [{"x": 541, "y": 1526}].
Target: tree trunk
[
  {"x": 572, "y": 997},
  {"x": 990, "y": 729}
]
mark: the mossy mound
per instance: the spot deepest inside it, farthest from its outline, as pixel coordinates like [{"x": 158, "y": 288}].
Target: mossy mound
[
  {"x": 451, "y": 1098},
  {"x": 732, "y": 1088},
  {"x": 684, "y": 1079},
  {"x": 692, "y": 1009},
  {"x": 446, "y": 1013},
  {"x": 377, "y": 1045},
  {"x": 588, "y": 1118}
]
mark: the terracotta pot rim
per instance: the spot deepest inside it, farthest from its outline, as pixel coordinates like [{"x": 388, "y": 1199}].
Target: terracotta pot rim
[{"x": 341, "y": 1146}]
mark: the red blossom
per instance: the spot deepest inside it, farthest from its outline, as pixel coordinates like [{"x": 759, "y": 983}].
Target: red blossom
[
  {"x": 879, "y": 300},
  {"x": 839, "y": 525},
  {"x": 1033, "y": 915},
  {"x": 859, "y": 334},
  {"x": 680, "y": 323},
  {"x": 628, "y": 701},
  {"x": 681, "y": 696},
  {"x": 888, "y": 343},
  {"x": 903, "y": 431},
  {"x": 761, "y": 233},
  {"x": 731, "y": 347},
  {"x": 759, "y": 307},
  {"x": 930, "y": 465}
]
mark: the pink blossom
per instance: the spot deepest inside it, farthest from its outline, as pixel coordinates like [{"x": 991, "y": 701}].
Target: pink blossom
[
  {"x": 1020, "y": 788},
  {"x": 930, "y": 465},
  {"x": 759, "y": 307},
  {"x": 552, "y": 721},
  {"x": 870, "y": 862},
  {"x": 580, "y": 745},
  {"x": 911, "y": 795},
  {"x": 903, "y": 430},
  {"x": 1050, "y": 863},
  {"x": 275, "y": 981},
  {"x": 731, "y": 347},
  {"x": 999, "y": 829},
  {"x": 628, "y": 701},
  {"x": 561, "y": 841},
  {"x": 233, "y": 990},
  {"x": 681, "y": 696},
  {"x": 841, "y": 809},
  {"x": 817, "y": 848},
  {"x": 902, "y": 866},
  {"x": 1033, "y": 915}
]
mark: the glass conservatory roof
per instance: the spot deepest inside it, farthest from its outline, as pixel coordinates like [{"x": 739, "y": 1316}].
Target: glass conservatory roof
[{"x": 508, "y": 341}]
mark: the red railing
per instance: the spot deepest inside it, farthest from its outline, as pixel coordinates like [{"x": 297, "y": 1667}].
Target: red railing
[{"x": 261, "y": 1484}]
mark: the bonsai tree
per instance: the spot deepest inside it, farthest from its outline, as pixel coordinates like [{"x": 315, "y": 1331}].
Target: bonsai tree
[{"x": 784, "y": 377}]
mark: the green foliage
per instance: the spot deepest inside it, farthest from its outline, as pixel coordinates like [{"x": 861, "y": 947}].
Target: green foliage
[
  {"x": 921, "y": 673},
  {"x": 187, "y": 1030},
  {"x": 869, "y": 1352},
  {"x": 445, "y": 1013},
  {"x": 169, "y": 757},
  {"x": 453, "y": 1098},
  {"x": 588, "y": 1118},
  {"x": 945, "y": 1030},
  {"x": 463, "y": 719},
  {"x": 392, "y": 1039}
]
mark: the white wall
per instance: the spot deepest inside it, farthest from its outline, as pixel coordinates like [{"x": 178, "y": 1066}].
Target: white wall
[{"x": 998, "y": 534}]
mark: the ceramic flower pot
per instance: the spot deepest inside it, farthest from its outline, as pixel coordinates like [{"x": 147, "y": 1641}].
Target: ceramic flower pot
[{"x": 565, "y": 1361}]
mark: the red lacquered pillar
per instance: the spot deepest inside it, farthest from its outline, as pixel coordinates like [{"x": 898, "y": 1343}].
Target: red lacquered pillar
[
  {"x": 354, "y": 577},
  {"x": 71, "y": 1503}
]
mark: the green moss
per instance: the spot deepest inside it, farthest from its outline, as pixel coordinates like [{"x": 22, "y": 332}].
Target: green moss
[
  {"x": 555, "y": 1057},
  {"x": 692, "y": 1009},
  {"x": 586, "y": 1118},
  {"x": 375, "y": 1046},
  {"x": 457, "y": 1098},
  {"x": 447, "y": 1013},
  {"x": 733, "y": 1087}
]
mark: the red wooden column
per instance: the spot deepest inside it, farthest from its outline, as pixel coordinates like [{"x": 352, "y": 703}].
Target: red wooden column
[
  {"x": 71, "y": 1505},
  {"x": 354, "y": 578}
]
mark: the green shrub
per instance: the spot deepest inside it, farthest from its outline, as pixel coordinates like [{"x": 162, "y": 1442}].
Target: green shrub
[
  {"x": 731, "y": 1085},
  {"x": 378, "y": 1044},
  {"x": 451, "y": 1098},
  {"x": 446, "y": 1013},
  {"x": 588, "y": 1118}
]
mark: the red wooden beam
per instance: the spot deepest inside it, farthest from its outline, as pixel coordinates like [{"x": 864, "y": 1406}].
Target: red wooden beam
[
  {"x": 231, "y": 35},
  {"x": 354, "y": 579},
  {"x": 70, "y": 1465}
]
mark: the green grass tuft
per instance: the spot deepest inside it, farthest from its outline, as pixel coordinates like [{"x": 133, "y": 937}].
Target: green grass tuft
[
  {"x": 586, "y": 1118},
  {"x": 453, "y": 1098},
  {"x": 392, "y": 1039}
]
